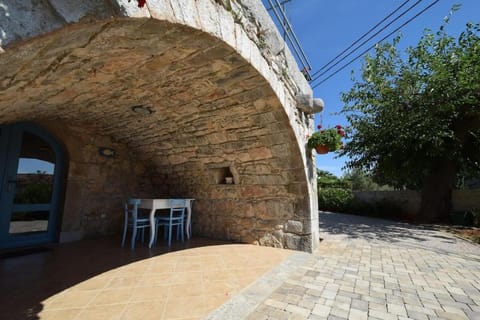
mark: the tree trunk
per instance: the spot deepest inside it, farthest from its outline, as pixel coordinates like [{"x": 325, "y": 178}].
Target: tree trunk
[{"x": 436, "y": 196}]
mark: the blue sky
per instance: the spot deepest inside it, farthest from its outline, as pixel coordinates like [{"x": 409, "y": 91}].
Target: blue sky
[{"x": 326, "y": 28}]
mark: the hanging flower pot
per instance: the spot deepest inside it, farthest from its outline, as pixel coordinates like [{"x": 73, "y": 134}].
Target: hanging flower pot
[
  {"x": 322, "y": 149},
  {"x": 141, "y": 3},
  {"x": 326, "y": 140}
]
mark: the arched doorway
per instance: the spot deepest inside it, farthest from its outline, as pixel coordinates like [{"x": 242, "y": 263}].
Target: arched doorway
[{"x": 31, "y": 173}]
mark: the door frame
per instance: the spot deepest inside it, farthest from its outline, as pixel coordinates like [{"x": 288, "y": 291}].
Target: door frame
[{"x": 10, "y": 145}]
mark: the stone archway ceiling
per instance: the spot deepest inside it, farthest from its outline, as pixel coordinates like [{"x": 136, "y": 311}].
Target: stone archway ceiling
[
  {"x": 207, "y": 101},
  {"x": 213, "y": 115}
]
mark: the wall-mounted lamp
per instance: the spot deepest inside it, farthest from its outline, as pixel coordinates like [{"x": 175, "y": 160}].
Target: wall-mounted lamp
[
  {"x": 107, "y": 152},
  {"x": 141, "y": 109}
]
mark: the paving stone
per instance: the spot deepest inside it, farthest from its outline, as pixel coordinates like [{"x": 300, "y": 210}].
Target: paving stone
[
  {"x": 475, "y": 308},
  {"x": 257, "y": 315},
  {"x": 307, "y": 304},
  {"x": 356, "y": 314},
  {"x": 398, "y": 309},
  {"x": 415, "y": 308},
  {"x": 382, "y": 315},
  {"x": 393, "y": 299},
  {"x": 361, "y": 278},
  {"x": 360, "y": 305},
  {"x": 276, "y": 304},
  {"x": 417, "y": 315},
  {"x": 472, "y": 314},
  {"x": 341, "y": 313},
  {"x": 292, "y": 298},
  {"x": 329, "y": 294},
  {"x": 279, "y": 315},
  {"x": 341, "y": 305},
  {"x": 373, "y": 299},
  {"x": 314, "y": 292},
  {"x": 321, "y": 310},
  {"x": 451, "y": 316},
  {"x": 462, "y": 298},
  {"x": 298, "y": 310},
  {"x": 453, "y": 310},
  {"x": 377, "y": 306}
]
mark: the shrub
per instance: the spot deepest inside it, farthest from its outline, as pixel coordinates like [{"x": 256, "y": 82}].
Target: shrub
[
  {"x": 334, "y": 199},
  {"x": 384, "y": 208},
  {"x": 466, "y": 218}
]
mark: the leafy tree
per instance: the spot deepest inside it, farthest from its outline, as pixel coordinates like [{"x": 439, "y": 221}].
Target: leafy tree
[
  {"x": 415, "y": 120},
  {"x": 327, "y": 180},
  {"x": 361, "y": 181}
]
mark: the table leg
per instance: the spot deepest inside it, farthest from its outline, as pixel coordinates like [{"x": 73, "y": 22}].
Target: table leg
[
  {"x": 152, "y": 227},
  {"x": 189, "y": 217}
]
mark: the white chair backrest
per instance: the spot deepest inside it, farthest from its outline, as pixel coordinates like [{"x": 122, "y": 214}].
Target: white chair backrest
[
  {"x": 131, "y": 206},
  {"x": 177, "y": 203}
]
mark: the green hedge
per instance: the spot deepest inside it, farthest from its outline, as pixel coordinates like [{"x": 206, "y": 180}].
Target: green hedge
[
  {"x": 469, "y": 218},
  {"x": 334, "y": 199},
  {"x": 386, "y": 209},
  {"x": 343, "y": 200}
]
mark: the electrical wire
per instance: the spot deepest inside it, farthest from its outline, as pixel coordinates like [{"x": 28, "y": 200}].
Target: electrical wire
[
  {"x": 282, "y": 3},
  {"x": 317, "y": 75},
  {"x": 359, "y": 39},
  {"x": 371, "y": 47}
]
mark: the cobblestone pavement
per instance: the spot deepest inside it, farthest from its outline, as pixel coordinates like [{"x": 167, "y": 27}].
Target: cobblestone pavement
[{"x": 368, "y": 269}]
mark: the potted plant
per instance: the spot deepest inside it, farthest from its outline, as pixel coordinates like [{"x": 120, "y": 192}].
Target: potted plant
[
  {"x": 326, "y": 140},
  {"x": 141, "y": 3}
]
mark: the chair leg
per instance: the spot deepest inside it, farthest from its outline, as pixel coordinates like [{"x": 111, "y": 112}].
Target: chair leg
[
  {"x": 134, "y": 236},
  {"x": 183, "y": 231},
  {"x": 169, "y": 234},
  {"x": 156, "y": 234},
  {"x": 124, "y": 233}
]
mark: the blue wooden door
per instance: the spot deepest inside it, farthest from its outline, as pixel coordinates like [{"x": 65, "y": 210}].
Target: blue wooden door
[{"x": 31, "y": 169}]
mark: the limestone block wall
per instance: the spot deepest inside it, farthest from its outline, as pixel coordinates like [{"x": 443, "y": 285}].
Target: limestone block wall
[
  {"x": 96, "y": 186},
  {"x": 222, "y": 93},
  {"x": 410, "y": 201}
]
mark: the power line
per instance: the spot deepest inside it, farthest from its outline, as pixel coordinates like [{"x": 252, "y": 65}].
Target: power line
[
  {"x": 365, "y": 51},
  {"x": 290, "y": 34},
  {"x": 363, "y": 36},
  {"x": 281, "y": 3},
  {"x": 364, "y": 42}
]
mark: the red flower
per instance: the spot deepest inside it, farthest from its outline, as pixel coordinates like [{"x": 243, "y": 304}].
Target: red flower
[
  {"x": 341, "y": 132},
  {"x": 319, "y": 126},
  {"x": 338, "y": 126},
  {"x": 141, "y": 3}
]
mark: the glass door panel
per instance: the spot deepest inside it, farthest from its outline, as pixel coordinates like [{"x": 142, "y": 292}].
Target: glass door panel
[{"x": 33, "y": 186}]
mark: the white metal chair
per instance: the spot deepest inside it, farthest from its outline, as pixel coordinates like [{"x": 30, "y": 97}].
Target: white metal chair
[
  {"x": 132, "y": 221},
  {"x": 176, "y": 218},
  {"x": 188, "y": 225}
]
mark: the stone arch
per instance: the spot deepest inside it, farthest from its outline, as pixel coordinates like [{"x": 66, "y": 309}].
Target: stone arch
[{"x": 206, "y": 112}]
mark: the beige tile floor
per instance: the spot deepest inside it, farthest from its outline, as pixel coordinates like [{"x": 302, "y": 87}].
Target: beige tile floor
[{"x": 99, "y": 280}]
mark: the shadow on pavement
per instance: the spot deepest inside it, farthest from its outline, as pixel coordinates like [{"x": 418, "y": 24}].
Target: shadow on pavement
[{"x": 360, "y": 227}]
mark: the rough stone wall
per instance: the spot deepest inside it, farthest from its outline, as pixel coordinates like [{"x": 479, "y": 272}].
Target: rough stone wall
[
  {"x": 96, "y": 185},
  {"x": 221, "y": 89},
  {"x": 410, "y": 201}
]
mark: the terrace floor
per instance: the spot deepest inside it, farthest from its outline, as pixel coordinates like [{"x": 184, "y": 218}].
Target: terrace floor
[
  {"x": 97, "y": 279},
  {"x": 364, "y": 269}
]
